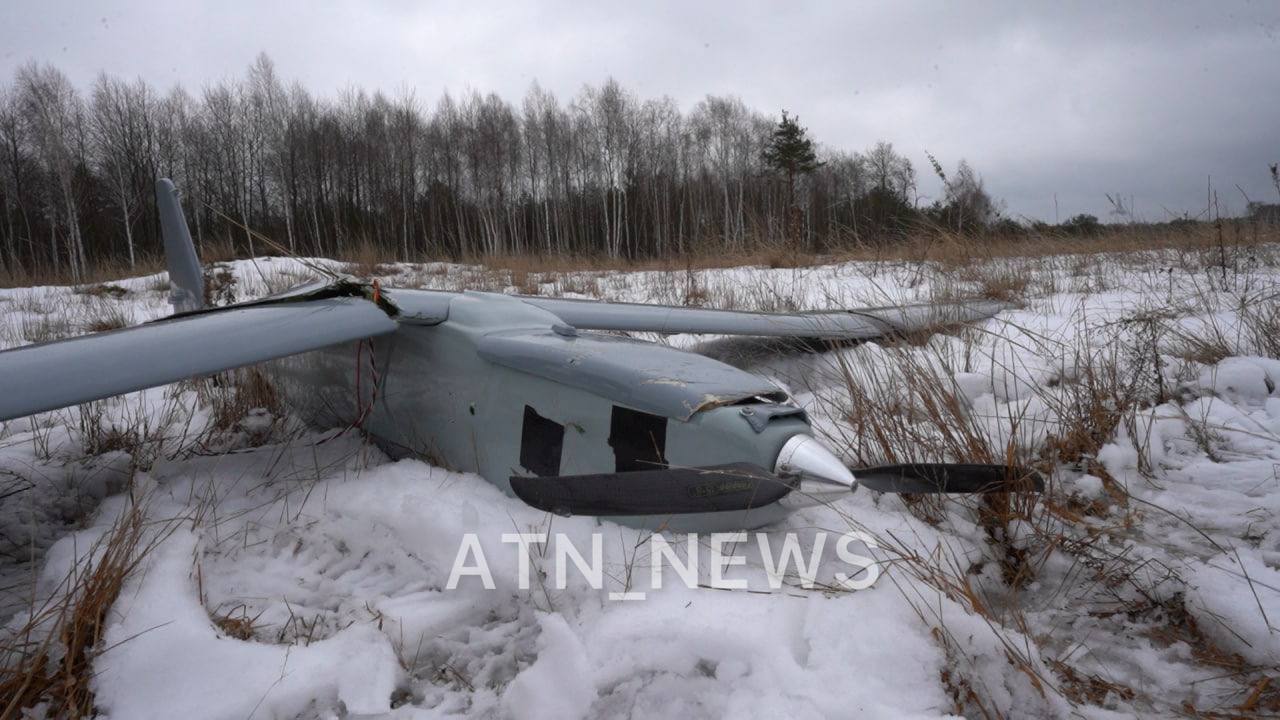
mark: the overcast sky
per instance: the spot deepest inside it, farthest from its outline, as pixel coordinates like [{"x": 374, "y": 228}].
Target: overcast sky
[{"x": 1077, "y": 99}]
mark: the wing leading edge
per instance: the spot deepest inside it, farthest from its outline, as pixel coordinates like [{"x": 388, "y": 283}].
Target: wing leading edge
[
  {"x": 853, "y": 324},
  {"x": 53, "y": 375}
]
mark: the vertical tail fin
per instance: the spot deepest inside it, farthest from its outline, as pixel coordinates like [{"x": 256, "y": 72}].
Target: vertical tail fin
[{"x": 186, "y": 280}]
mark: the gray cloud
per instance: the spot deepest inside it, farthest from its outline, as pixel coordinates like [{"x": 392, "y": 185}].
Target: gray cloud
[{"x": 1078, "y": 99}]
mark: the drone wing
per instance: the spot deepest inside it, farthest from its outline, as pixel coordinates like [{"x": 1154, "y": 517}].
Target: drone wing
[
  {"x": 57, "y": 374},
  {"x": 855, "y": 324},
  {"x": 194, "y": 342}
]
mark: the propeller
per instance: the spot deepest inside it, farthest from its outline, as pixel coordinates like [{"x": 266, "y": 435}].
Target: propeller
[
  {"x": 949, "y": 478},
  {"x": 741, "y": 486}
]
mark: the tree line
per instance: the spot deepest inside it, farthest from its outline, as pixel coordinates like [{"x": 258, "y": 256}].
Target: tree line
[{"x": 603, "y": 172}]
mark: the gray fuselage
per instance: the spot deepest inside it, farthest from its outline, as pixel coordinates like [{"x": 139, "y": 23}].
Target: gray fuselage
[{"x": 499, "y": 386}]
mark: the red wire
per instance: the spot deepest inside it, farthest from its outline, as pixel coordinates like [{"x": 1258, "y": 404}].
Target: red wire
[
  {"x": 362, "y": 411},
  {"x": 359, "y": 411}
]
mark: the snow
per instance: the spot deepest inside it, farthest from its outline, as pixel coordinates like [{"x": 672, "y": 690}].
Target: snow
[
  {"x": 1240, "y": 598},
  {"x": 558, "y": 685},
  {"x": 1239, "y": 379},
  {"x": 1162, "y": 544},
  {"x": 168, "y": 660}
]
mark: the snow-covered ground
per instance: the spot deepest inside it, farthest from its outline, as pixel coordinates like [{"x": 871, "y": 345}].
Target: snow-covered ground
[{"x": 302, "y": 574}]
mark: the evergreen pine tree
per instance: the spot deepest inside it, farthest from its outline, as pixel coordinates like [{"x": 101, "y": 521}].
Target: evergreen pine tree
[{"x": 790, "y": 151}]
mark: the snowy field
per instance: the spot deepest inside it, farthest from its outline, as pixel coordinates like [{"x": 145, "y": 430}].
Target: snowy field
[{"x": 295, "y": 572}]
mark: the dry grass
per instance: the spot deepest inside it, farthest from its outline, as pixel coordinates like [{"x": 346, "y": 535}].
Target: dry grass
[
  {"x": 234, "y": 396},
  {"x": 98, "y": 437},
  {"x": 1255, "y": 331},
  {"x": 111, "y": 317},
  {"x": 525, "y": 283},
  {"x": 105, "y": 426},
  {"x": 1002, "y": 283},
  {"x": 1200, "y": 245},
  {"x": 277, "y": 281},
  {"x": 43, "y": 328},
  {"x": 236, "y": 622},
  {"x": 48, "y": 661},
  {"x": 1202, "y": 349},
  {"x": 1102, "y": 391},
  {"x": 577, "y": 283},
  {"x": 902, "y": 402},
  {"x": 1261, "y": 322},
  {"x": 898, "y": 403},
  {"x": 367, "y": 260},
  {"x": 219, "y": 286},
  {"x": 102, "y": 290},
  {"x": 100, "y": 272},
  {"x": 215, "y": 250}
]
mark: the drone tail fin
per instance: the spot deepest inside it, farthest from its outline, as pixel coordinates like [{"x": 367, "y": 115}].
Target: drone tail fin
[{"x": 186, "y": 279}]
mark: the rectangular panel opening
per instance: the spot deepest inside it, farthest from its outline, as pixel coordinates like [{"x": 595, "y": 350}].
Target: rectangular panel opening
[
  {"x": 541, "y": 444},
  {"x": 638, "y": 439}
]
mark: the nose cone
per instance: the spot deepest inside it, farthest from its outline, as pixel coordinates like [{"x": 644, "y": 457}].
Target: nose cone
[{"x": 822, "y": 477}]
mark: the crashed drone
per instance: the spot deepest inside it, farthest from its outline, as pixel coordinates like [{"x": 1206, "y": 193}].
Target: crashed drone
[{"x": 516, "y": 389}]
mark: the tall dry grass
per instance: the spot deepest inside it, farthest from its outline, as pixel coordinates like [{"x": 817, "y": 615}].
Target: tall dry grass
[
  {"x": 901, "y": 400},
  {"x": 46, "y": 662},
  {"x": 925, "y": 245}
]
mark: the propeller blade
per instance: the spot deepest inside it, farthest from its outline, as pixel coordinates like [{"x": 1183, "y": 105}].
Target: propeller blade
[
  {"x": 666, "y": 491},
  {"x": 949, "y": 478}
]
